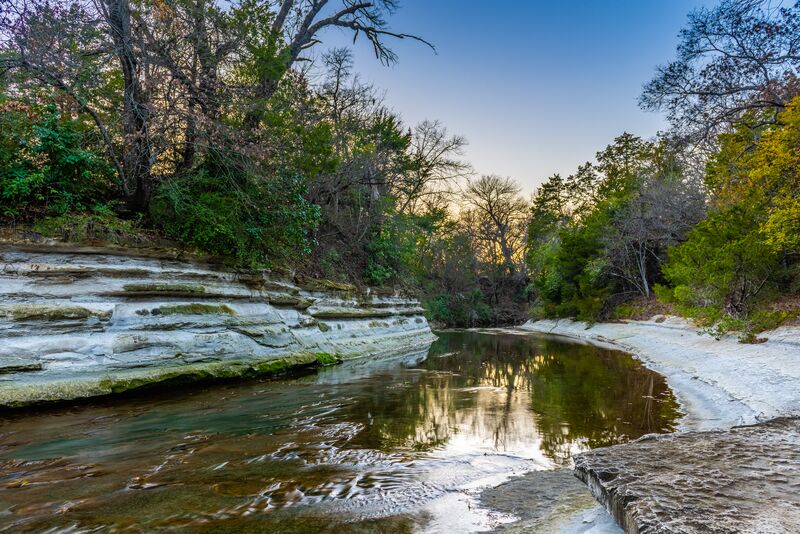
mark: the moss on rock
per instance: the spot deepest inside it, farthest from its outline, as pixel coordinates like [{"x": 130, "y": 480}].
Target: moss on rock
[
  {"x": 133, "y": 381},
  {"x": 43, "y": 312},
  {"x": 350, "y": 313},
  {"x": 285, "y": 299},
  {"x": 325, "y": 359},
  {"x": 164, "y": 289},
  {"x": 196, "y": 309},
  {"x": 327, "y": 285}
]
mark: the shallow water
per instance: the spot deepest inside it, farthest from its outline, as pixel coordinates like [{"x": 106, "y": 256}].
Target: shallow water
[{"x": 389, "y": 446}]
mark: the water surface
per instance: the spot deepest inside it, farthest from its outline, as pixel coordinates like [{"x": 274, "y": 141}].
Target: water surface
[{"x": 389, "y": 446}]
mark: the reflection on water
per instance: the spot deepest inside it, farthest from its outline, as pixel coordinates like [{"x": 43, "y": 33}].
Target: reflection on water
[{"x": 363, "y": 447}]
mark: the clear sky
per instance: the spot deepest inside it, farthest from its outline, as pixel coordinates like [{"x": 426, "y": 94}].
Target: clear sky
[{"x": 537, "y": 87}]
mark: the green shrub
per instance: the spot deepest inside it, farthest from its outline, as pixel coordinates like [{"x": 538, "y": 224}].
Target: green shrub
[
  {"x": 459, "y": 310},
  {"x": 100, "y": 225},
  {"x": 46, "y": 165},
  {"x": 392, "y": 249},
  {"x": 251, "y": 222},
  {"x": 724, "y": 263}
]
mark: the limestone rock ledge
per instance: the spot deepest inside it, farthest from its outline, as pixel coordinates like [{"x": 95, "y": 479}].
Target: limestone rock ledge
[
  {"x": 743, "y": 480},
  {"x": 78, "y": 323}
]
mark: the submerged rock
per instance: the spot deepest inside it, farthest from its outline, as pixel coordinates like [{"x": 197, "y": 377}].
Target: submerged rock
[
  {"x": 81, "y": 323},
  {"x": 746, "y": 480}
]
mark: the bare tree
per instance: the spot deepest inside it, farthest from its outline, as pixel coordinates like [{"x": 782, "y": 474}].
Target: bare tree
[
  {"x": 433, "y": 167},
  {"x": 497, "y": 216},
  {"x": 743, "y": 55},
  {"x": 659, "y": 216},
  {"x": 194, "y": 42},
  {"x": 298, "y": 24}
]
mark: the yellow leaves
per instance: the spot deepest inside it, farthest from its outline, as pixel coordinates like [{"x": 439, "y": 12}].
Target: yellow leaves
[
  {"x": 764, "y": 171},
  {"x": 782, "y": 228},
  {"x": 162, "y": 11}
]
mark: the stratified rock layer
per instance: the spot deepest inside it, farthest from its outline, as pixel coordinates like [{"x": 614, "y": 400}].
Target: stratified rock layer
[
  {"x": 743, "y": 480},
  {"x": 82, "y": 322}
]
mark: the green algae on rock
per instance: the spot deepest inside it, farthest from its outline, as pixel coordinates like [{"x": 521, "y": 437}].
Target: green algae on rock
[
  {"x": 195, "y": 309},
  {"x": 351, "y": 313},
  {"x": 163, "y": 289},
  {"x": 23, "y": 312}
]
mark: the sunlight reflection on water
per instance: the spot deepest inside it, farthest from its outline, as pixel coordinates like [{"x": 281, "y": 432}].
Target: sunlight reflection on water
[{"x": 395, "y": 445}]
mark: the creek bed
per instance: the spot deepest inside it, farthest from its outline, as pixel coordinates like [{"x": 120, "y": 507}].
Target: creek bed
[{"x": 395, "y": 445}]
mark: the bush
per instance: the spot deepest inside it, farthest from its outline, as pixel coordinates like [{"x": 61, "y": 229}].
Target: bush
[
  {"x": 101, "y": 224},
  {"x": 460, "y": 310},
  {"x": 46, "y": 165},
  {"x": 248, "y": 221},
  {"x": 724, "y": 263}
]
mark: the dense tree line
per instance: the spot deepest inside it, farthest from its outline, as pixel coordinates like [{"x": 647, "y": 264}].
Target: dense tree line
[
  {"x": 706, "y": 217},
  {"x": 230, "y": 129}
]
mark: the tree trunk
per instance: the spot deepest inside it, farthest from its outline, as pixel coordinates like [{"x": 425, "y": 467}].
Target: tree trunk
[{"x": 136, "y": 154}]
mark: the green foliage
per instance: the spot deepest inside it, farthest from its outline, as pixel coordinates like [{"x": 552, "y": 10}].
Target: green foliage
[
  {"x": 100, "y": 225},
  {"x": 385, "y": 257},
  {"x": 392, "y": 248},
  {"x": 724, "y": 263},
  {"x": 460, "y": 310},
  {"x": 569, "y": 274},
  {"x": 46, "y": 165},
  {"x": 570, "y": 220},
  {"x": 250, "y": 221}
]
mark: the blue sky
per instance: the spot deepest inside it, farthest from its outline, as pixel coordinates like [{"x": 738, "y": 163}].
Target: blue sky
[{"x": 537, "y": 87}]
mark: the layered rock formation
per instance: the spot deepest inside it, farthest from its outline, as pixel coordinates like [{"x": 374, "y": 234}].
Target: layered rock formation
[{"x": 81, "y": 322}]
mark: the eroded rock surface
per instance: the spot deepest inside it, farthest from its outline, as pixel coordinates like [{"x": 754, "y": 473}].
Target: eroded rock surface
[
  {"x": 83, "y": 323},
  {"x": 743, "y": 480},
  {"x": 548, "y": 502}
]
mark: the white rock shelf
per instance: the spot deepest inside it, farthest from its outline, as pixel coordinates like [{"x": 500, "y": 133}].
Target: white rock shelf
[{"x": 78, "y": 323}]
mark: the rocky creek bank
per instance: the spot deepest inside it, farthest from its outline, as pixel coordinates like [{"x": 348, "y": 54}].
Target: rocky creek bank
[
  {"x": 79, "y": 322},
  {"x": 735, "y": 465}
]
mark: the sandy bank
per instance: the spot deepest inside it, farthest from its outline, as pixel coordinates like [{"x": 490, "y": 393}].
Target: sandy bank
[{"x": 720, "y": 383}]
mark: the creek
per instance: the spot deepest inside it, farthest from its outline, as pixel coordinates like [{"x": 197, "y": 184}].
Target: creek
[{"x": 393, "y": 445}]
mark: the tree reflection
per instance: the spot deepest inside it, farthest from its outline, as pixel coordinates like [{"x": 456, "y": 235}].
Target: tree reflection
[{"x": 511, "y": 393}]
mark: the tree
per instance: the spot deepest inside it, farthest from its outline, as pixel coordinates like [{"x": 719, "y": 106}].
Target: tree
[
  {"x": 136, "y": 149},
  {"x": 195, "y": 44},
  {"x": 497, "y": 216},
  {"x": 296, "y": 27},
  {"x": 724, "y": 263},
  {"x": 740, "y": 56},
  {"x": 658, "y": 216},
  {"x": 433, "y": 166},
  {"x": 68, "y": 47}
]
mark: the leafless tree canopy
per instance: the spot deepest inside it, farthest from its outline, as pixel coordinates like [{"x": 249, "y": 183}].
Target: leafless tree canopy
[
  {"x": 740, "y": 56},
  {"x": 497, "y": 215}
]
